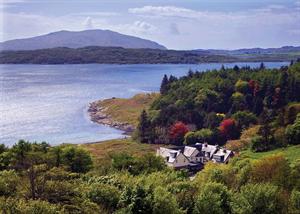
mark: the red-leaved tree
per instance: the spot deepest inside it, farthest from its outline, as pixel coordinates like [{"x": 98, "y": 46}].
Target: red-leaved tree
[
  {"x": 229, "y": 129},
  {"x": 177, "y": 132}
]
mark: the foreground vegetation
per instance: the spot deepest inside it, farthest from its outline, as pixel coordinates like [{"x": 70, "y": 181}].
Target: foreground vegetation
[{"x": 37, "y": 178}]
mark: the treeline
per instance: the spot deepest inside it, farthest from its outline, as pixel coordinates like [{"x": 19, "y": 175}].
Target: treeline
[
  {"x": 109, "y": 55},
  {"x": 37, "y": 178},
  {"x": 216, "y": 106},
  {"x": 118, "y": 55}
]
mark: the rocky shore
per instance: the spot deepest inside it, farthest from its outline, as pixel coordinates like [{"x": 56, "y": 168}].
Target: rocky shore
[{"x": 98, "y": 115}]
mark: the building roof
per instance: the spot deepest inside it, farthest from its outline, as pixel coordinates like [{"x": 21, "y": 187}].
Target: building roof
[
  {"x": 209, "y": 148},
  {"x": 167, "y": 153},
  {"x": 189, "y": 151},
  {"x": 223, "y": 152}
]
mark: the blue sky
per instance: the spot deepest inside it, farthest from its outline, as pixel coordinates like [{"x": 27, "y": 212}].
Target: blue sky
[{"x": 184, "y": 24}]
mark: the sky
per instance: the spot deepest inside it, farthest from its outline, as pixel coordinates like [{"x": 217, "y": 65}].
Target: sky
[{"x": 176, "y": 24}]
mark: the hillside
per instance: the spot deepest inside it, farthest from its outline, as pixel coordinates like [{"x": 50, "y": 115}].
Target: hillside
[
  {"x": 108, "y": 55},
  {"x": 285, "y": 52},
  {"x": 218, "y": 105},
  {"x": 72, "y": 39}
]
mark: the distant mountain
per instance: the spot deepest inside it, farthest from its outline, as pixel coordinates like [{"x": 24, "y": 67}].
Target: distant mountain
[{"x": 71, "y": 39}]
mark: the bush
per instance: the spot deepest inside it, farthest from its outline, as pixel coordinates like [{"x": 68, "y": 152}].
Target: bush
[
  {"x": 105, "y": 195},
  {"x": 244, "y": 119},
  {"x": 164, "y": 202},
  {"x": 213, "y": 198},
  {"x": 20, "y": 206},
  {"x": 293, "y": 132},
  {"x": 295, "y": 202},
  {"x": 258, "y": 144},
  {"x": 257, "y": 198},
  {"x": 8, "y": 182},
  {"x": 76, "y": 159}
]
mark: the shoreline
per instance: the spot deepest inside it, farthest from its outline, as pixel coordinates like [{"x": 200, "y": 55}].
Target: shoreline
[{"x": 97, "y": 115}]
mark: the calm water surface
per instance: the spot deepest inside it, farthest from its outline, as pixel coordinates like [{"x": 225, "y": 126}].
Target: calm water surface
[{"x": 49, "y": 102}]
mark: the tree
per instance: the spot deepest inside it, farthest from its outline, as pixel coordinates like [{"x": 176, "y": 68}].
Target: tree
[
  {"x": 262, "y": 66},
  {"x": 244, "y": 119},
  {"x": 177, "y": 132},
  {"x": 258, "y": 144},
  {"x": 20, "y": 150},
  {"x": 144, "y": 128},
  {"x": 293, "y": 131},
  {"x": 164, "y": 84},
  {"x": 190, "y": 138},
  {"x": 105, "y": 195},
  {"x": 265, "y": 129},
  {"x": 204, "y": 135},
  {"x": 164, "y": 202},
  {"x": 257, "y": 198},
  {"x": 77, "y": 159},
  {"x": 214, "y": 198},
  {"x": 229, "y": 129},
  {"x": 236, "y": 68},
  {"x": 242, "y": 86},
  {"x": 207, "y": 99}
]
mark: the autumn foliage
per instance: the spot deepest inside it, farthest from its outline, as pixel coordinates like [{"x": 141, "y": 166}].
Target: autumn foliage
[
  {"x": 178, "y": 130},
  {"x": 228, "y": 128}
]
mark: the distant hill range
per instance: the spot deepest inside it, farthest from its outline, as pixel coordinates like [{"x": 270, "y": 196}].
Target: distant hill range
[
  {"x": 104, "y": 46},
  {"x": 71, "y": 39},
  {"x": 252, "y": 53}
]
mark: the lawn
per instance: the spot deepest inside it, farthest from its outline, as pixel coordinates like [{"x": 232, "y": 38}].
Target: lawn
[{"x": 292, "y": 153}]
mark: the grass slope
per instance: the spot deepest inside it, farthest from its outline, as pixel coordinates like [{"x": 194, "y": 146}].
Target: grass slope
[
  {"x": 292, "y": 153},
  {"x": 101, "y": 151},
  {"x": 127, "y": 110}
]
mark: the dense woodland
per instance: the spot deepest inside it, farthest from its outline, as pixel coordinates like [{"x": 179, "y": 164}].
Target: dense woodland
[
  {"x": 213, "y": 107},
  {"x": 216, "y": 106}
]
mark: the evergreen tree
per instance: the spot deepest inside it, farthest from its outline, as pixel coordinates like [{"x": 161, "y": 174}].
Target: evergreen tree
[
  {"x": 236, "y": 68},
  {"x": 265, "y": 130},
  {"x": 164, "y": 84},
  {"x": 143, "y": 127},
  {"x": 262, "y": 66},
  {"x": 284, "y": 87}
]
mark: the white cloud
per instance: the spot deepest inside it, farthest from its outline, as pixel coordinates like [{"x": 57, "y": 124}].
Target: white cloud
[
  {"x": 163, "y": 11},
  {"x": 175, "y": 27},
  {"x": 88, "y": 23}
]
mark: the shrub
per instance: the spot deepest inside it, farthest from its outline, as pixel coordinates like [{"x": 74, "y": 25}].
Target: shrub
[
  {"x": 105, "y": 195},
  {"x": 213, "y": 198},
  {"x": 257, "y": 198},
  {"x": 293, "y": 132},
  {"x": 8, "y": 182}
]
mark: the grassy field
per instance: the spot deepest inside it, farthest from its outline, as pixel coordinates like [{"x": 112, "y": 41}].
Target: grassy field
[
  {"x": 101, "y": 151},
  {"x": 292, "y": 153},
  {"x": 128, "y": 110}
]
